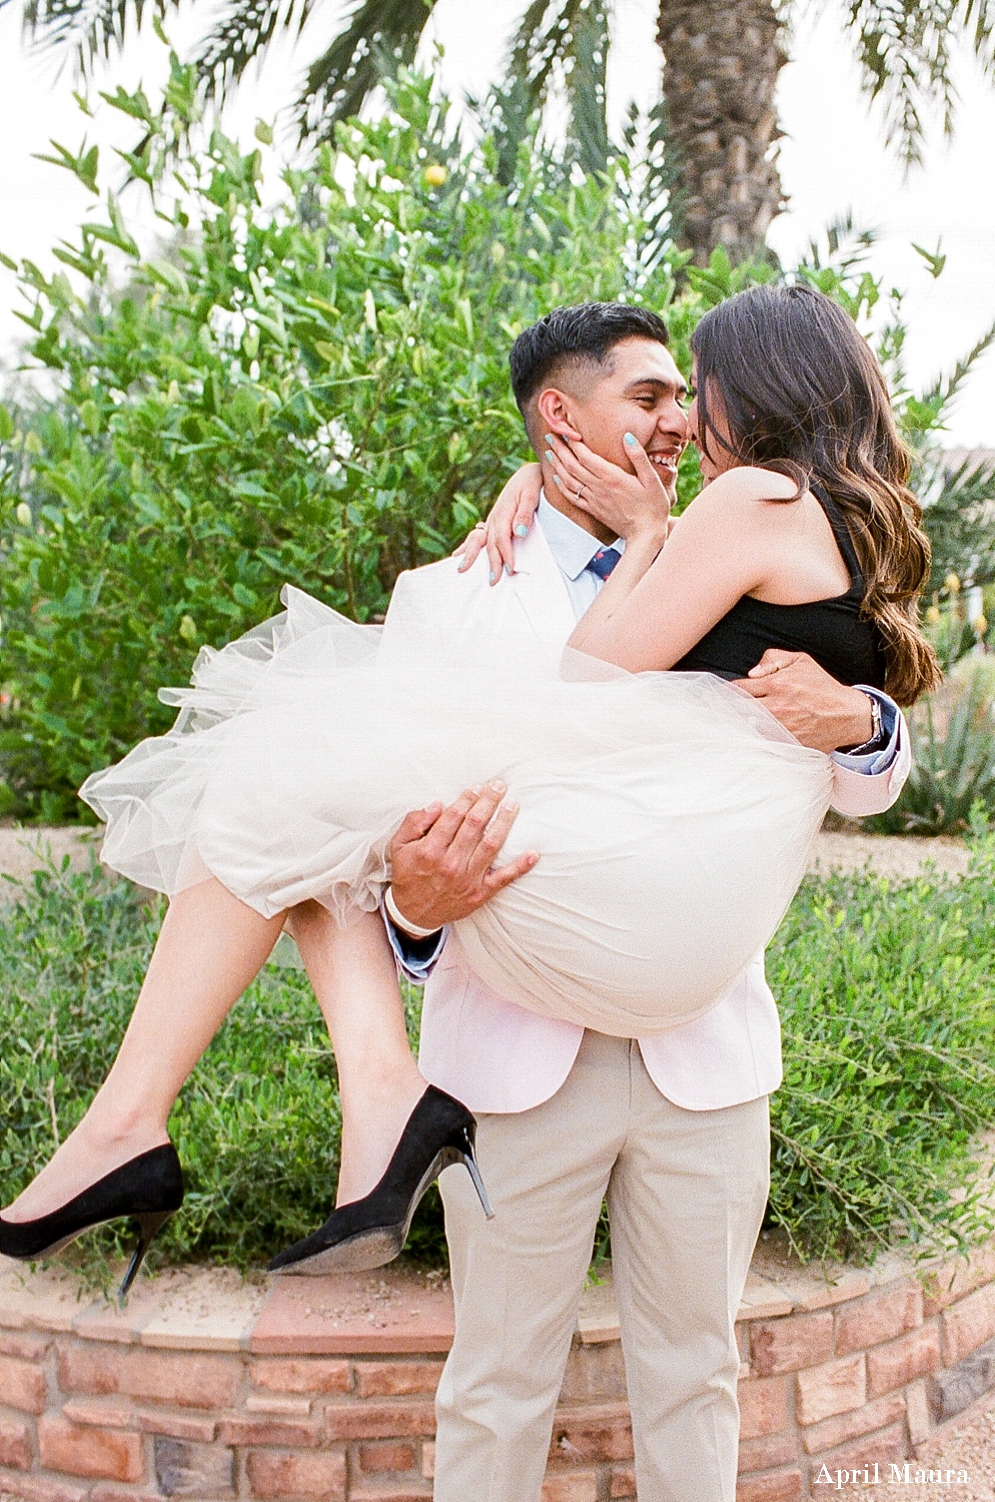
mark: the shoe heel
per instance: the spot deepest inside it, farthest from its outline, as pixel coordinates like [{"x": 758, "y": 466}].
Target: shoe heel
[
  {"x": 469, "y": 1157},
  {"x": 149, "y": 1227}
]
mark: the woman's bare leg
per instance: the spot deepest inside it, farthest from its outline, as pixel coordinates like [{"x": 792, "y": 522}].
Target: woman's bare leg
[
  {"x": 354, "y": 977},
  {"x": 211, "y": 946}
]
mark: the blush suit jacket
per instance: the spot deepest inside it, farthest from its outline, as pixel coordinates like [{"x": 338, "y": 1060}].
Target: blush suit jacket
[{"x": 493, "y": 1054}]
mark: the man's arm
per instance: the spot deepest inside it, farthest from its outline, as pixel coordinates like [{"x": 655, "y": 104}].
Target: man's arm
[
  {"x": 870, "y": 767},
  {"x": 442, "y": 869}
]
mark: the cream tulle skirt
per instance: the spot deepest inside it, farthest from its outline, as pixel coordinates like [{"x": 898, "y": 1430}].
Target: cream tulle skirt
[{"x": 672, "y": 814}]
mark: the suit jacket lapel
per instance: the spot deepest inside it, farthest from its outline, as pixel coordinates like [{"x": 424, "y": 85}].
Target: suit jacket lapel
[{"x": 540, "y": 589}]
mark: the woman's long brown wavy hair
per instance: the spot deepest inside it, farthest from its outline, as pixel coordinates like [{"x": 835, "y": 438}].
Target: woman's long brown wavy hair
[{"x": 802, "y": 393}]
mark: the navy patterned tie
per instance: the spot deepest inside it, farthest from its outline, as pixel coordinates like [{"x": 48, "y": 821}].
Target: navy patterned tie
[{"x": 604, "y": 561}]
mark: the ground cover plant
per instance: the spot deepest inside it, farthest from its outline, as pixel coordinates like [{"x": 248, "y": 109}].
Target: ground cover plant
[{"x": 886, "y": 992}]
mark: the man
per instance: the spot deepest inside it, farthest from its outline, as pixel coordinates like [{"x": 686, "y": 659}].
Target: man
[{"x": 673, "y": 1130}]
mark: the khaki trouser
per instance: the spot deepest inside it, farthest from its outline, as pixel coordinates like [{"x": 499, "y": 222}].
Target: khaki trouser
[{"x": 686, "y": 1192}]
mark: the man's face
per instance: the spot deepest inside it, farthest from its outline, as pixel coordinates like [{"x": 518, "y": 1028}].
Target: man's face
[{"x": 639, "y": 390}]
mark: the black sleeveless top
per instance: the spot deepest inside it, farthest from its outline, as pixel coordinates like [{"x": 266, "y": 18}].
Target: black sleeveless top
[{"x": 831, "y": 631}]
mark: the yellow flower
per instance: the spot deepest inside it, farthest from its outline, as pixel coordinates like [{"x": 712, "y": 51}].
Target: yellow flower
[
  {"x": 435, "y": 175},
  {"x": 188, "y": 628},
  {"x": 952, "y": 584},
  {"x": 933, "y": 615},
  {"x": 23, "y": 514},
  {"x": 980, "y": 625}
]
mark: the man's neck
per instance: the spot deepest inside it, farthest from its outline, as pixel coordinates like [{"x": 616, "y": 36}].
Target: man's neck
[{"x": 580, "y": 518}]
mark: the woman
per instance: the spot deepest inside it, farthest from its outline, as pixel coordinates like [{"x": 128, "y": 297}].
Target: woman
[{"x": 300, "y": 746}]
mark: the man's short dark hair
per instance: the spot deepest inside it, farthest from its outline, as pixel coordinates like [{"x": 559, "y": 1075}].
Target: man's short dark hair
[{"x": 587, "y": 332}]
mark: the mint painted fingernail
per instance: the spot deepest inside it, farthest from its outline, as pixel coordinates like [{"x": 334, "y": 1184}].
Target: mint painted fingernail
[
  {"x": 493, "y": 576},
  {"x": 549, "y": 439},
  {"x": 507, "y": 570},
  {"x": 521, "y": 530},
  {"x": 556, "y": 481},
  {"x": 630, "y": 439},
  {"x": 549, "y": 455}
]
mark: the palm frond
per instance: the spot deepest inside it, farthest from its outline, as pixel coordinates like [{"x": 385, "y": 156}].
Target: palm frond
[
  {"x": 90, "y": 28},
  {"x": 905, "y": 49},
  {"x": 381, "y": 35},
  {"x": 567, "y": 35},
  {"x": 242, "y": 33},
  {"x": 587, "y": 86}
]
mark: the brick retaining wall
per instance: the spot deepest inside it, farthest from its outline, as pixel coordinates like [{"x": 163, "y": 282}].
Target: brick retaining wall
[{"x": 320, "y": 1390}]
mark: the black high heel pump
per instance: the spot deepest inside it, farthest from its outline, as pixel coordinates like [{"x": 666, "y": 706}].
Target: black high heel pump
[
  {"x": 372, "y": 1231},
  {"x": 148, "y": 1189}
]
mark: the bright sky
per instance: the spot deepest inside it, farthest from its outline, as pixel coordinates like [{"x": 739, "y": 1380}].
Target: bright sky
[{"x": 832, "y": 159}]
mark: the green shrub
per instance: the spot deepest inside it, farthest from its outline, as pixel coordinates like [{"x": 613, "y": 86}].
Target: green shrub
[
  {"x": 316, "y": 393},
  {"x": 885, "y": 991},
  {"x": 953, "y": 757}
]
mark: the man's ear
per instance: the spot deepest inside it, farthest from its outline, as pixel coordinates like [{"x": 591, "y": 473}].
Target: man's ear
[{"x": 554, "y": 408}]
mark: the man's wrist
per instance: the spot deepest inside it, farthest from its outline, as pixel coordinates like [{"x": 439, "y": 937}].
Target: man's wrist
[
  {"x": 413, "y": 930},
  {"x": 876, "y": 738}
]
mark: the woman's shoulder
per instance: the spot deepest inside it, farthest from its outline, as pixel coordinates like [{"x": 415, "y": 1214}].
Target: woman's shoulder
[{"x": 748, "y": 483}]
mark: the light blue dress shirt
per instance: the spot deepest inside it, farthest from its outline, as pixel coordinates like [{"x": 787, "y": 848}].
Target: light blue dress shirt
[{"x": 572, "y": 549}]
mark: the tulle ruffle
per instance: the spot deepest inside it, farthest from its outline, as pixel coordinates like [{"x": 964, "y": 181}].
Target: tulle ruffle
[{"x": 673, "y": 815}]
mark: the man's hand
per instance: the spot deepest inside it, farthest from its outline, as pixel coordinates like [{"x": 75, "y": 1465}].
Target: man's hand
[
  {"x": 442, "y": 858},
  {"x": 819, "y": 712}
]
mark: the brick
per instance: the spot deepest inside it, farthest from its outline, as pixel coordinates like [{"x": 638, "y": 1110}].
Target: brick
[
  {"x": 595, "y": 1374},
  {"x": 883, "y": 1447},
  {"x": 623, "y": 1484},
  {"x": 27, "y": 1347},
  {"x": 957, "y": 1388},
  {"x": 968, "y": 1324},
  {"x": 301, "y": 1436},
  {"x": 399, "y": 1491},
  {"x": 879, "y": 1317},
  {"x": 428, "y": 1459},
  {"x": 949, "y": 1283},
  {"x": 787, "y": 1345},
  {"x": 396, "y": 1379},
  {"x": 169, "y": 1377},
  {"x": 177, "y": 1425},
  {"x": 84, "y": 1451},
  {"x": 763, "y": 1454},
  {"x": 379, "y": 1420},
  {"x": 301, "y": 1376},
  {"x": 281, "y": 1404},
  {"x": 121, "y": 1494},
  {"x": 833, "y": 1388},
  {"x": 784, "y": 1486},
  {"x": 303, "y": 1478},
  {"x": 579, "y": 1486},
  {"x": 22, "y": 1385},
  {"x": 845, "y": 1426},
  {"x": 185, "y": 1469},
  {"x": 104, "y": 1415},
  {"x": 40, "y": 1488},
  {"x": 388, "y": 1455},
  {"x": 918, "y": 1416},
  {"x": 595, "y": 1433},
  {"x": 902, "y": 1361},
  {"x": 15, "y": 1444},
  {"x": 763, "y": 1407}
]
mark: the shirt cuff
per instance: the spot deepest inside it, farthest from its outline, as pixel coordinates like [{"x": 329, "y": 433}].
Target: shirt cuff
[
  {"x": 416, "y": 958},
  {"x": 874, "y": 762}
]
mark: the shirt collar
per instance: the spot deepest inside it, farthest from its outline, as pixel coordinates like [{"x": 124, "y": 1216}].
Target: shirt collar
[{"x": 570, "y": 545}]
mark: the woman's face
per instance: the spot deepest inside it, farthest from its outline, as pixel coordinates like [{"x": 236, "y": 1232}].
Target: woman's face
[{"x": 716, "y": 459}]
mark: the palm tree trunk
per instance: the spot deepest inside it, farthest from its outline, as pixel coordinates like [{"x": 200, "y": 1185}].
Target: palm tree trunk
[{"x": 722, "y": 61}]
